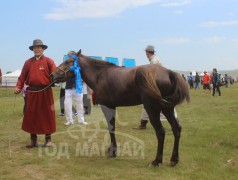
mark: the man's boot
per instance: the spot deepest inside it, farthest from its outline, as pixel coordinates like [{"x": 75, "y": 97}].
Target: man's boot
[
  {"x": 142, "y": 125},
  {"x": 48, "y": 142},
  {"x": 33, "y": 141}
]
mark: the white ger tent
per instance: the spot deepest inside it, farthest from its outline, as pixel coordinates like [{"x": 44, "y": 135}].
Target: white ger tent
[{"x": 10, "y": 80}]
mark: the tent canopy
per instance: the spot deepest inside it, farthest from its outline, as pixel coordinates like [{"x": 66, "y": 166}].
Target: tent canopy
[
  {"x": 13, "y": 74},
  {"x": 10, "y": 80}
]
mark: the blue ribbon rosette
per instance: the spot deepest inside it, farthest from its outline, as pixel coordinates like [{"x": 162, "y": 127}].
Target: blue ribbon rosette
[{"x": 77, "y": 71}]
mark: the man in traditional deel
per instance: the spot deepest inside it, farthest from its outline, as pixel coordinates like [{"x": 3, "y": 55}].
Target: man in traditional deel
[{"x": 39, "y": 116}]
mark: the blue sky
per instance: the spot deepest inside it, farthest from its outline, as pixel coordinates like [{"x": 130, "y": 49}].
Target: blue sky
[{"x": 187, "y": 34}]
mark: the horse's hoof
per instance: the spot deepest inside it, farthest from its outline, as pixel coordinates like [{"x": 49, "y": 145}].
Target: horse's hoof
[
  {"x": 112, "y": 156},
  {"x": 155, "y": 163},
  {"x": 112, "y": 152},
  {"x": 173, "y": 163}
]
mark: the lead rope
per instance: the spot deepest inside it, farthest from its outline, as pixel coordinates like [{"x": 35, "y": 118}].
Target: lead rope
[
  {"x": 14, "y": 105},
  {"x": 42, "y": 89},
  {"x": 9, "y": 138}
]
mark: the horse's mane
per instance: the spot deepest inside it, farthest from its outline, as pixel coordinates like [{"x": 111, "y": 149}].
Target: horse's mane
[{"x": 96, "y": 61}]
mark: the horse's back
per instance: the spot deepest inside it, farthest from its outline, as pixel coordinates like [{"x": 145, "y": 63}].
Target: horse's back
[{"x": 118, "y": 87}]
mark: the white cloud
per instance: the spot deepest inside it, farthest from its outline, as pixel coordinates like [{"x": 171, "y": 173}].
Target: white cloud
[
  {"x": 214, "y": 39},
  {"x": 176, "y": 3},
  {"x": 221, "y": 23},
  {"x": 72, "y": 9}
]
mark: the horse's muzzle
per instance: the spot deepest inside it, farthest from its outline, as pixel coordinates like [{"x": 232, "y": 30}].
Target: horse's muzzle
[
  {"x": 51, "y": 77},
  {"x": 57, "y": 78}
]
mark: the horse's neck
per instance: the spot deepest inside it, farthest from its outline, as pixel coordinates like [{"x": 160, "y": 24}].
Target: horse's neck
[{"x": 90, "y": 72}]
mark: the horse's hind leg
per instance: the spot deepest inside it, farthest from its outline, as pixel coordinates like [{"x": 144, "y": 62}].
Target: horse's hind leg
[
  {"x": 110, "y": 117},
  {"x": 154, "y": 116},
  {"x": 176, "y": 128}
]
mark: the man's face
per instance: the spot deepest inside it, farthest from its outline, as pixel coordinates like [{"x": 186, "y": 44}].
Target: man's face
[
  {"x": 148, "y": 54},
  {"x": 38, "y": 51}
]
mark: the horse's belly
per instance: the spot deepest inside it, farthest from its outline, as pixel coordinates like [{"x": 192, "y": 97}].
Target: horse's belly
[{"x": 115, "y": 101}]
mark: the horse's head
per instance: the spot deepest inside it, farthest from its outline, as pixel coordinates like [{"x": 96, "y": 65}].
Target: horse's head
[{"x": 62, "y": 72}]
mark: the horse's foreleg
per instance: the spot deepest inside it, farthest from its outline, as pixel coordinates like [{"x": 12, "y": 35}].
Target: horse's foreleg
[
  {"x": 110, "y": 117},
  {"x": 113, "y": 146},
  {"x": 176, "y": 128}
]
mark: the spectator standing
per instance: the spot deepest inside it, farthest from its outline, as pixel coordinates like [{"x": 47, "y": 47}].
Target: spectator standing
[
  {"x": 190, "y": 80},
  {"x": 197, "y": 81},
  {"x": 206, "y": 81},
  {"x": 226, "y": 78},
  {"x": 39, "y": 116},
  {"x": 72, "y": 95},
  {"x": 215, "y": 82}
]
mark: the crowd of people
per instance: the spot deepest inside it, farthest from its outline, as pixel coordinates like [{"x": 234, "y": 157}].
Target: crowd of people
[{"x": 211, "y": 82}]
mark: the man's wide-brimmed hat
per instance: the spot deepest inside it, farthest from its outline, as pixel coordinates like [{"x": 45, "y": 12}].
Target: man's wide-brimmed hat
[
  {"x": 38, "y": 42},
  {"x": 204, "y": 71},
  {"x": 150, "y": 48}
]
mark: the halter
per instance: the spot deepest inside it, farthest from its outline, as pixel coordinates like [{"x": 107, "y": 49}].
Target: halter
[
  {"x": 75, "y": 68},
  {"x": 65, "y": 71}
]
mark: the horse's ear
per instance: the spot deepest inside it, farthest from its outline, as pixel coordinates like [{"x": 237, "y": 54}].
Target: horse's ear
[{"x": 79, "y": 53}]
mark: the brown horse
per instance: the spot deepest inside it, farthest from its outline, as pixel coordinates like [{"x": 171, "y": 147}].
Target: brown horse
[{"x": 154, "y": 86}]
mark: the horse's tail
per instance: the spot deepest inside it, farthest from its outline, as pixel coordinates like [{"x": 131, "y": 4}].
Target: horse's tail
[
  {"x": 178, "y": 92},
  {"x": 147, "y": 82}
]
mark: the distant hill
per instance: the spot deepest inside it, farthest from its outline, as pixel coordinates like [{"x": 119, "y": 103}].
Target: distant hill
[{"x": 233, "y": 73}]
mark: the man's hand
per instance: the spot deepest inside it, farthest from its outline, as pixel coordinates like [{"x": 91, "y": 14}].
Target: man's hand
[{"x": 17, "y": 91}]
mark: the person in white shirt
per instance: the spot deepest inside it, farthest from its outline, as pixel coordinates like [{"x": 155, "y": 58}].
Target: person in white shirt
[
  {"x": 150, "y": 54},
  {"x": 153, "y": 59},
  {"x": 70, "y": 94}
]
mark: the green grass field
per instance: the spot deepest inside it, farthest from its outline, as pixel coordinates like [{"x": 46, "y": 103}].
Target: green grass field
[{"x": 208, "y": 146}]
